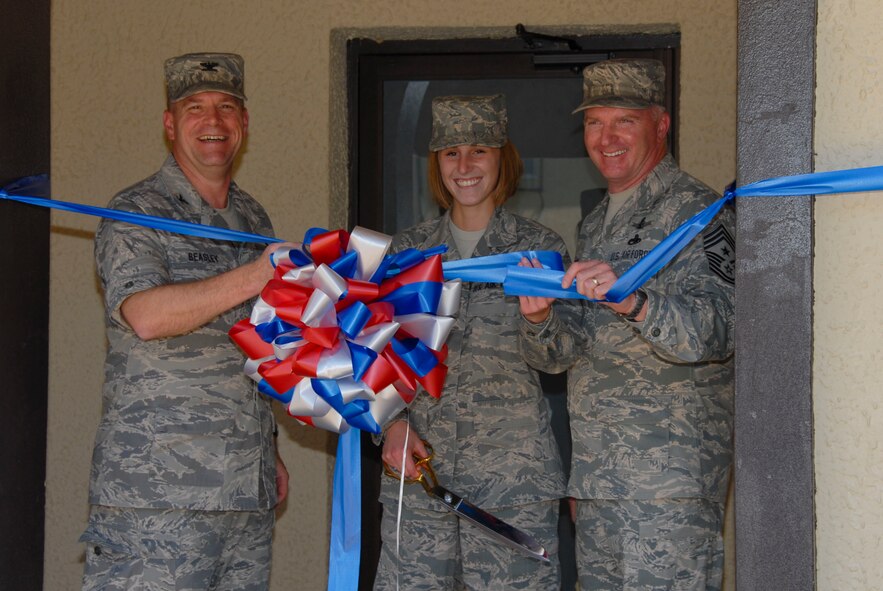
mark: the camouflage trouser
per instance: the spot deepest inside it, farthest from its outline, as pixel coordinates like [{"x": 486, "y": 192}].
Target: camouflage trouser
[
  {"x": 171, "y": 549},
  {"x": 438, "y": 551},
  {"x": 672, "y": 544}
]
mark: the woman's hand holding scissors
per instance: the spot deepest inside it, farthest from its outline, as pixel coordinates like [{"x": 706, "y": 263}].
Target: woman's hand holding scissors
[{"x": 394, "y": 446}]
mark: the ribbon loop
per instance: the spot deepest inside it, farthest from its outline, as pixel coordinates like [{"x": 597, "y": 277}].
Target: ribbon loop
[{"x": 321, "y": 336}]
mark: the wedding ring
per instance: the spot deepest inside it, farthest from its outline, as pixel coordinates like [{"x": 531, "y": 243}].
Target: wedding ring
[{"x": 596, "y": 282}]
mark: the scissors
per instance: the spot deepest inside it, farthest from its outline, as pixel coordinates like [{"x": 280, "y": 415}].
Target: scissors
[{"x": 490, "y": 524}]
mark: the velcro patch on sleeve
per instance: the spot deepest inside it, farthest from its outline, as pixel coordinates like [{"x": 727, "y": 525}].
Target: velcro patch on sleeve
[{"x": 720, "y": 248}]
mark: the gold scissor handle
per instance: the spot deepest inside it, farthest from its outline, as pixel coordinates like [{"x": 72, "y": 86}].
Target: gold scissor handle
[{"x": 427, "y": 477}]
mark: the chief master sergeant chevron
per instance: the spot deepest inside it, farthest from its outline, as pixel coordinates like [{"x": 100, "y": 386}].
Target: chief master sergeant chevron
[
  {"x": 185, "y": 473},
  {"x": 650, "y": 386}
]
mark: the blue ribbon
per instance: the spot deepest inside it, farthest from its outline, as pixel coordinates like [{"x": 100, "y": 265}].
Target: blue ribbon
[
  {"x": 538, "y": 282},
  {"x": 393, "y": 264},
  {"x": 346, "y": 508},
  {"x": 355, "y": 412},
  {"x": 851, "y": 180},
  {"x": 415, "y": 354},
  {"x": 352, "y": 319},
  {"x": 268, "y": 331},
  {"x": 502, "y": 268},
  {"x": 37, "y": 185},
  {"x": 662, "y": 253},
  {"x": 265, "y": 388},
  {"x": 415, "y": 298},
  {"x": 520, "y": 281},
  {"x": 494, "y": 268},
  {"x": 346, "y": 265},
  {"x": 346, "y": 514},
  {"x": 817, "y": 183},
  {"x": 139, "y": 219},
  {"x": 363, "y": 357}
]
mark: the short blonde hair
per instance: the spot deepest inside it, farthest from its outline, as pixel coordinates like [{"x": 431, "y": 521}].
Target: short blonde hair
[{"x": 511, "y": 169}]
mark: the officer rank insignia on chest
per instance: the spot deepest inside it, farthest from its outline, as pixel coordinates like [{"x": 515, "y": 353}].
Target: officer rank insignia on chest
[{"x": 720, "y": 248}]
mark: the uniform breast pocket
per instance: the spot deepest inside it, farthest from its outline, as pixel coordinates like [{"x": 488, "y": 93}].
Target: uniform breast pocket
[
  {"x": 490, "y": 299},
  {"x": 491, "y": 366},
  {"x": 188, "y": 261},
  {"x": 491, "y": 321},
  {"x": 636, "y": 432}
]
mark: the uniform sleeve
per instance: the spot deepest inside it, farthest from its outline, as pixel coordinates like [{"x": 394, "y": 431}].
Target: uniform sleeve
[
  {"x": 554, "y": 345},
  {"x": 129, "y": 259},
  {"x": 690, "y": 314}
]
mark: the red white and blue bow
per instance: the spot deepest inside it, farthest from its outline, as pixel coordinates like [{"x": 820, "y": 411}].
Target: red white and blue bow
[{"x": 344, "y": 336}]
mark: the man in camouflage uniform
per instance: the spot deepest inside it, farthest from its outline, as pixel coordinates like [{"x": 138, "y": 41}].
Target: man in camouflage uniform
[
  {"x": 185, "y": 474},
  {"x": 650, "y": 384},
  {"x": 490, "y": 429}
]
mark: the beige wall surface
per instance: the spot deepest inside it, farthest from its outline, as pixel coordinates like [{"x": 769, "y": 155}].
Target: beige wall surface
[
  {"x": 107, "y": 100},
  {"x": 848, "y": 278}
]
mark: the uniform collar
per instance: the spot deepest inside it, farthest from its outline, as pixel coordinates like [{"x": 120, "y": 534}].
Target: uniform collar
[
  {"x": 180, "y": 188},
  {"x": 655, "y": 184},
  {"x": 499, "y": 237}
]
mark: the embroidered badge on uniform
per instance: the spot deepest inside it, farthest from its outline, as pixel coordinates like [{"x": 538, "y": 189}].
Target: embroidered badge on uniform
[{"x": 720, "y": 248}]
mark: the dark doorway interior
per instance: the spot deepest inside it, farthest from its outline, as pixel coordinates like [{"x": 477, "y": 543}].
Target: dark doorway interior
[
  {"x": 391, "y": 86},
  {"x": 24, "y": 297}
]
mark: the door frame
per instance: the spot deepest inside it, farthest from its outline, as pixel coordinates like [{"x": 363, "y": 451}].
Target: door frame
[{"x": 775, "y": 486}]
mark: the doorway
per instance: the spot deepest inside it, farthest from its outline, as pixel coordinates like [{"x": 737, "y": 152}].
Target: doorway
[{"x": 390, "y": 88}]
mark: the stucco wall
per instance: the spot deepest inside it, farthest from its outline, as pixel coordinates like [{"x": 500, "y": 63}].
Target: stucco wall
[
  {"x": 107, "y": 100},
  {"x": 848, "y": 278}
]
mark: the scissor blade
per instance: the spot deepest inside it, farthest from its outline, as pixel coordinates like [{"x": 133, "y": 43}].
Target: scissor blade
[{"x": 491, "y": 524}]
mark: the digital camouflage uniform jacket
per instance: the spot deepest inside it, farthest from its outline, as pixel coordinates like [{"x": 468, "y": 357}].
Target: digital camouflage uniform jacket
[
  {"x": 490, "y": 429},
  {"x": 182, "y": 426},
  {"x": 650, "y": 403}
]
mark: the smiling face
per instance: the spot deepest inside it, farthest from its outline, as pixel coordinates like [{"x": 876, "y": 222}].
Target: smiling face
[
  {"x": 470, "y": 173},
  {"x": 206, "y": 131},
  {"x": 625, "y": 144}
]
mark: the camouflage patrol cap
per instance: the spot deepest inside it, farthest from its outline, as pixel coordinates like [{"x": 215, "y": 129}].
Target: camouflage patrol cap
[
  {"x": 191, "y": 73},
  {"x": 624, "y": 83},
  {"x": 469, "y": 120}
]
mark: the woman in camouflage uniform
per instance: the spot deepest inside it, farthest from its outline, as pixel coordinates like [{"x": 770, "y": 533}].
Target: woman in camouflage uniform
[{"x": 490, "y": 429}]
